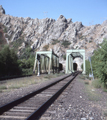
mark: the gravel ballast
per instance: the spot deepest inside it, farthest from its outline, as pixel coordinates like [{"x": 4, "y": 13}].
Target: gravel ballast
[{"x": 76, "y": 104}]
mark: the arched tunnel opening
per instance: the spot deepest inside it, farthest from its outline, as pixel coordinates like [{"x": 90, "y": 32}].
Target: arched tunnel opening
[{"x": 75, "y": 66}]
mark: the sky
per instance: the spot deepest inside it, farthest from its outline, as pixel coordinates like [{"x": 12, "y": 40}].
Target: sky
[{"x": 89, "y": 12}]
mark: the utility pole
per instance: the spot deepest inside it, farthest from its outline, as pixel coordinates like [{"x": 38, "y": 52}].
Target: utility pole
[{"x": 91, "y": 67}]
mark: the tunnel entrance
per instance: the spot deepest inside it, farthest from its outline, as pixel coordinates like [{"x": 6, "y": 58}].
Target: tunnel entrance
[
  {"x": 60, "y": 67},
  {"x": 75, "y": 66}
]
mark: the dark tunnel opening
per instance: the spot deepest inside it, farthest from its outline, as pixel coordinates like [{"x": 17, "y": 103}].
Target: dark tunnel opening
[
  {"x": 75, "y": 66},
  {"x": 60, "y": 67}
]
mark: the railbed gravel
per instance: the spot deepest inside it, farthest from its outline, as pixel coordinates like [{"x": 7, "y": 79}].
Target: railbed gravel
[
  {"x": 74, "y": 105},
  {"x": 77, "y": 106}
]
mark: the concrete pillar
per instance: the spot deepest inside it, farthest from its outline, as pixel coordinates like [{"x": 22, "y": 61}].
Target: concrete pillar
[
  {"x": 66, "y": 63},
  {"x": 42, "y": 64},
  {"x": 49, "y": 68},
  {"x": 45, "y": 64},
  {"x": 84, "y": 67},
  {"x": 43, "y": 59},
  {"x": 70, "y": 62},
  {"x": 35, "y": 64},
  {"x": 53, "y": 64},
  {"x": 57, "y": 65}
]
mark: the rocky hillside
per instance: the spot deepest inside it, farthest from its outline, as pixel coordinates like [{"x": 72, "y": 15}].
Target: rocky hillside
[
  {"x": 2, "y": 35},
  {"x": 46, "y": 34}
]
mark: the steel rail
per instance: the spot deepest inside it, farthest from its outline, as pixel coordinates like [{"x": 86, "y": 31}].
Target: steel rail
[
  {"x": 39, "y": 112},
  {"x": 10, "y": 105}
]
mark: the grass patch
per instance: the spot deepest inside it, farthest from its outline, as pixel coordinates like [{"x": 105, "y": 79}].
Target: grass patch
[
  {"x": 91, "y": 92},
  {"x": 17, "y": 83},
  {"x": 93, "y": 97},
  {"x": 3, "y": 87},
  {"x": 53, "y": 75},
  {"x": 105, "y": 90},
  {"x": 96, "y": 83},
  {"x": 9, "y": 85},
  {"x": 82, "y": 76},
  {"x": 15, "y": 87},
  {"x": 86, "y": 82}
]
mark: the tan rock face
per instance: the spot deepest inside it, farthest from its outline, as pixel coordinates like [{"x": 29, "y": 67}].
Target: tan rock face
[{"x": 59, "y": 35}]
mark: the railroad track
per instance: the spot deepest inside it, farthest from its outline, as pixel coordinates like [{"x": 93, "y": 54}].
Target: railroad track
[{"x": 33, "y": 105}]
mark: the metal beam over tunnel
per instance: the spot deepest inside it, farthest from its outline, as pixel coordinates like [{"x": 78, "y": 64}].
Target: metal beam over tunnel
[
  {"x": 46, "y": 62},
  {"x": 70, "y": 56}
]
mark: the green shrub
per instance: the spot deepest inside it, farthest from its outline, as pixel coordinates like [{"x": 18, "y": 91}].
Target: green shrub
[
  {"x": 64, "y": 57},
  {"x": 17, "y": 43},
  {"x": 27, "y": 53},
  {"x": 99, "y": 62},
  {"x": 66, "y": 43},
  {"x": 90, "y": 41},
  {"x": 26, "y": 61},
  {"x": 6, "y": 35},
  {"x": 9, "y": 37},
  {"x": 105, "y": 90},
  {"x": 55, "y": 41},
  {"x": 99, "y": 65},
  {"x": 5, "y": 29},
  {"x": 8, "y": 62}
]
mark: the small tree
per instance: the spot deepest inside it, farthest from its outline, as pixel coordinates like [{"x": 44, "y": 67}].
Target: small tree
[{"x": 99, "y": 63}]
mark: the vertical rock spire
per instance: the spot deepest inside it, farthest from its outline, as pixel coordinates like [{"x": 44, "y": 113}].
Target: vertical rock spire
[{"x": 2, "y": 10}]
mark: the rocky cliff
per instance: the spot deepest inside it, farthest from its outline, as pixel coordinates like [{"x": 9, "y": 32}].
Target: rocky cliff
[{"x": 46, "y": 34}]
